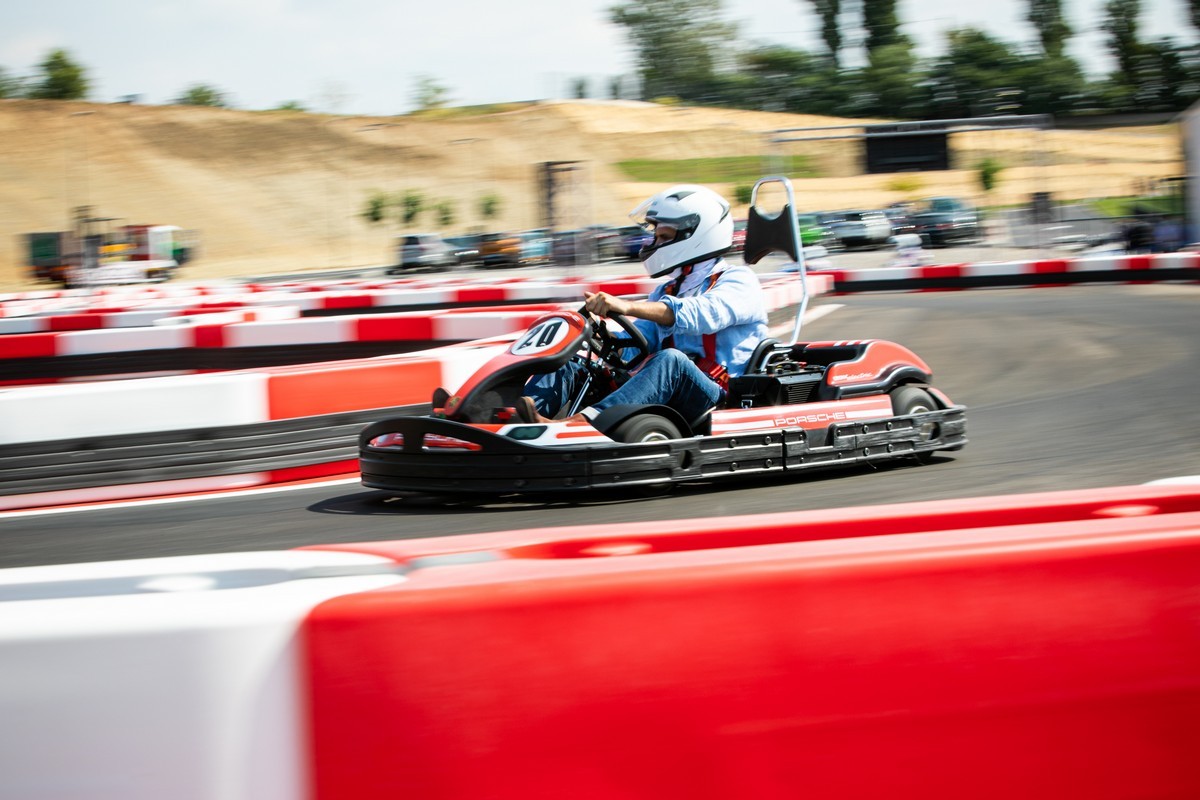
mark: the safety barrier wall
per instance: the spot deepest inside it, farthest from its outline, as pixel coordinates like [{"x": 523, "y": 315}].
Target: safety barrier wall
[
  {"x": 69, "y": 443},
  {"x": 32, "y": 312},
  {"x": 1113, "y": 268},
  {"x": 1024, "y": 646}
]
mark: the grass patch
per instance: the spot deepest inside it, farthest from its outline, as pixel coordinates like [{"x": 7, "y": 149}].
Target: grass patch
[
  {"x": 730, "y": 169},
  {"x": 1138, "y": 206}
]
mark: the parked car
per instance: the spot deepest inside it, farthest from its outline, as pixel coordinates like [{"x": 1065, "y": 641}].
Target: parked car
[
  {"x": 606, "y": 242},
  {"x": 862, "y": 228},
  {"x": 944, "y": 220},
  {"x": 514, "y": 249},
  {"x": 814, "y": 232},
  {"x": 901, "y": 218},
  {"x": 466, "y": 249},
  {"x": 536, "y": 246},
  {"x": 633, "y": 239},
  {"x": 422, "y": 251},
  {"x": 591, "y": 245},
  {"x": 498, "y": 249}
]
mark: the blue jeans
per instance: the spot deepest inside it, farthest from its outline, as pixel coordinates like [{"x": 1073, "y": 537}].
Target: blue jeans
[{"x": 667, "y": 377}]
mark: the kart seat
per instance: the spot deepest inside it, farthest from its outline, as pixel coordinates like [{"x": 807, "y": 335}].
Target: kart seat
[{"x": 762, "y": 355}]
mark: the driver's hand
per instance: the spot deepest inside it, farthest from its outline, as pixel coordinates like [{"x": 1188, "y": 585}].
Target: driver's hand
[{"x": 604, "y": 304}]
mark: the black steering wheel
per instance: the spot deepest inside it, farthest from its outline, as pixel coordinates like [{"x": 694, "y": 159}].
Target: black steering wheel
[{"x": 609, "y": 347}]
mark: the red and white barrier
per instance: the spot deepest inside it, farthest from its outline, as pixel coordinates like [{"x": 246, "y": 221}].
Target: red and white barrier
[
  {"x": 1113, "y": 268},
  {"x": 213, "y": 400},
  {"x": 1038, "y": 646}
]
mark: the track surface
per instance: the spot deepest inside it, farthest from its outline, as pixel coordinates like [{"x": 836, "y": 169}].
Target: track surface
[{"x": 1068, "y": 388}]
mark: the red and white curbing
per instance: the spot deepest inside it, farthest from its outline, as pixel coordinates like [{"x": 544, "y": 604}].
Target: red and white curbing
[
  {"x": 942, "y": 637},
  {"x": 1039, "y": 273},
  {"x": 213, "y": 400},
  {"x": 310, "y": 297},
  {"x": 282, "y": 327}
]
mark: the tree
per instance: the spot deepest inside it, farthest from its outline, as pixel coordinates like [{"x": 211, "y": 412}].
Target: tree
[
  {"x": 888, "y": 79},
  {"x": 411, "y": 203},
  {"x": 989, "y": 173},
  {"x": 444, "y": 210},
  {"x": 428, "y": 94},
  {"x": 579, "y": 88},
  {"x": 974, "y": 67},
  {"x": 291, "y": 105},
  {"x": 489, "y": 206},
  {"x": 200, "y": 94},
  {"x": 1121, "y": 25},
  {"x": 375, "y": 208},
  {"x": 882, "y": 24},
  {"x": 61, "y": 79},
  {"x": 1053, "y": 31},
  {"x": 680, "y": 44},
  {"x": 831, "y": 34},
  {"x": 779, "y": 78},
  {"x": 1194, "y": 12},
  {"x": 10, "y": 85}
]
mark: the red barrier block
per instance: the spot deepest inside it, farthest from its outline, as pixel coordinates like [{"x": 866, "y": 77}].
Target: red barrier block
[
  {"x": 209, "y": 336},
  {"x": 350, "y": 386},
  {"x": 394, "y": 328},
  {"x": 359, "y": 300},
  {"x": 480, "y": 294},
  {"x": 29, "y": 345},
  {"x": 1049, "y": 651},
  {"x": 75, "y": 322}
]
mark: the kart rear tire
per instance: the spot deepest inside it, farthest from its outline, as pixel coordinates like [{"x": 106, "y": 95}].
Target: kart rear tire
[
  {"x": 914, "y": 400},
  {"x": 646, "y": 428}
]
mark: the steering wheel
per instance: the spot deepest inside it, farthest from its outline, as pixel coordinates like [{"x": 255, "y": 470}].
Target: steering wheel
[{"x": 609, "y": 347}]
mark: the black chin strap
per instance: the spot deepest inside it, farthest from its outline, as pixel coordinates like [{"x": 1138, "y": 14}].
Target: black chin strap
[{"x": 673, "y": 287}]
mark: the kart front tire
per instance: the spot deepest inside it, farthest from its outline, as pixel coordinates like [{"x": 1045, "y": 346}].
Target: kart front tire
[
  {"x": 646, "y": 428},
  {"x": 911, "y": 400},
  {"x": 914, "y": 400}
]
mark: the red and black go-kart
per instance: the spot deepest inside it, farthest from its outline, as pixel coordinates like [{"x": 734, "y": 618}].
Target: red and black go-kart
[{"x": 799, "y": 406}]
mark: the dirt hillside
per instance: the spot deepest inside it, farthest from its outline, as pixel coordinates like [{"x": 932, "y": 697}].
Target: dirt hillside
[{"x": 275, "y": 191}]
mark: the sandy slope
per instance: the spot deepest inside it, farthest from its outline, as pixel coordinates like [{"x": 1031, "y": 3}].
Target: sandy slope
[{"x": 273, "y": 191}]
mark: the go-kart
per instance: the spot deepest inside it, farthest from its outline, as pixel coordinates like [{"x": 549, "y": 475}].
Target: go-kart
[{"x": 798, "y": 406}]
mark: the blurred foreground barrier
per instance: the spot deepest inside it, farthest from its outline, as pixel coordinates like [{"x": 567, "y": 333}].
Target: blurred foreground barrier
[
  {"x": 1109, "y": 268},
  {"x": 1039, "y": 646}
]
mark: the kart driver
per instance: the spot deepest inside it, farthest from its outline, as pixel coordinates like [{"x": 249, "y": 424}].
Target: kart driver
[{"x": 702, "y": 323}]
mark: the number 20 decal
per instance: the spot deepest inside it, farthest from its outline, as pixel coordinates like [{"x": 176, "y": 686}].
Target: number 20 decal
[{"x": 541, "y": 337}]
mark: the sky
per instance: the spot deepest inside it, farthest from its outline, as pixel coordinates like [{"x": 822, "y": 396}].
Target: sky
[{"x": 365, "y": 56}]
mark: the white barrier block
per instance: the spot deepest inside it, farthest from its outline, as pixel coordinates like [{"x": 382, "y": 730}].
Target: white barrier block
[
  {"x": 468, "y": 327},
  {"x": 311, "y": 330},
  {"x": 996, "y": 268},
  {"x": 134, "y": 319},
  {"x": 75, "y": 411},
  {"x": 22, "y": 325},
  {"x": 412, "y": 297},
  {"x": 121, "y": 341},
  {"x": 1173, "y": 261},
  {"x": 1096, "y": 264},
  {"x": 163, "y": 678},
  {"x": 461, "y": 362}
]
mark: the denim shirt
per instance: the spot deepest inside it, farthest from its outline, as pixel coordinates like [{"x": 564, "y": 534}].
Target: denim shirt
[{"x": 733, "y": 309}]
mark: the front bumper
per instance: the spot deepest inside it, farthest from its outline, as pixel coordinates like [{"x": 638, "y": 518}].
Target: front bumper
[{"x": 500, "y": 465}]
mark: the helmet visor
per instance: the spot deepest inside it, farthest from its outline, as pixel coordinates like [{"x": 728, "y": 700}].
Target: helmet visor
[{"x": 650, "y": 218}]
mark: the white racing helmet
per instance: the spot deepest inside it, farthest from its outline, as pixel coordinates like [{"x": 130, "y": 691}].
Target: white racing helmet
[{"x": 703, "y": 224}]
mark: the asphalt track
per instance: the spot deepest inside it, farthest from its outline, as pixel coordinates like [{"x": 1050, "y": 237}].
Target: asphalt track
[{"x": 1067, "y": 388}]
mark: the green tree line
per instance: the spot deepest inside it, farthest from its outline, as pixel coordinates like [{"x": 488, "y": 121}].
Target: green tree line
[{"x": 687, "y": 51}]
